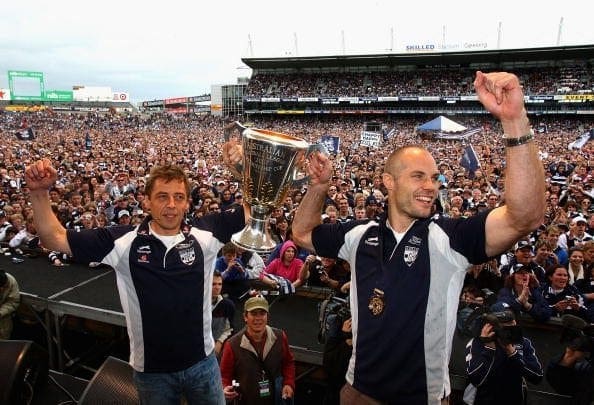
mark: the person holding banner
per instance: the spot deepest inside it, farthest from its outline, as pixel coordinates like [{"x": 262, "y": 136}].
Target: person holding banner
[{"x": 408, "y": 267}]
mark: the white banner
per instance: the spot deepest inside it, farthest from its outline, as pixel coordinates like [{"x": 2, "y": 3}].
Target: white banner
[{"x": 372, "y": 139}]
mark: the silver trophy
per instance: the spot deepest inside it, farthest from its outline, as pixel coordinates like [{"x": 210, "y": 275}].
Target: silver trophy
[{"x": 271, "y": 168}]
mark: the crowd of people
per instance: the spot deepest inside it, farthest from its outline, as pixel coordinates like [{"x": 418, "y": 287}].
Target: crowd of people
[
  {"x": 456, "y": 81},
  {"x": 99, "y": 169}
]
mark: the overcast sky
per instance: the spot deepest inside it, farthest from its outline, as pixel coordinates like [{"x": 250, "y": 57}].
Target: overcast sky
[{"x": 160, "y": 49}]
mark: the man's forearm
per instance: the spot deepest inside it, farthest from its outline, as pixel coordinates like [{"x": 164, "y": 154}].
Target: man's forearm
[
  {"x": 50, "y": 230},
  {"x": 525, "y": 183}
]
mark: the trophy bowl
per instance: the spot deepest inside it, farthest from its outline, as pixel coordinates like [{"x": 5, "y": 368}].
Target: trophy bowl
[{"x": 271, "y": 166}]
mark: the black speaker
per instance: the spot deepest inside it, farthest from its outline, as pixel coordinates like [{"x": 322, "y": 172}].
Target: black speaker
[
  {"x": 112, "y": 384},
  {"x": 23, "y": 371}
]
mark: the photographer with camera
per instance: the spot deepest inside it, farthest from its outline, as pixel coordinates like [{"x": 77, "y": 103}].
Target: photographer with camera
[
  {"x": 337, "y": 353},
  {"x": 327, "y": 272},
  {"x": 571, "y": 372},
  {"x": 499, "y": 360}
]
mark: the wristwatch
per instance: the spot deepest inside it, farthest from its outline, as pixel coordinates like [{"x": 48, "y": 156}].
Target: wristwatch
[{"x": 510, "y": 142}]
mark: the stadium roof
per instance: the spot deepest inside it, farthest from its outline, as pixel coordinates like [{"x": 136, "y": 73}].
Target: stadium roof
[{"x": 579, "y": 52}]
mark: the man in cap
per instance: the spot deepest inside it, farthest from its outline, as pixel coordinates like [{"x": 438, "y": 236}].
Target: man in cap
[
  {"x": 9, "y": 302},
  {"x": 523, "y": 254},
  {"x": 259, "y": 359},
  {"x": 123, "y": 217},
  {"x": 576, "y": 235}
]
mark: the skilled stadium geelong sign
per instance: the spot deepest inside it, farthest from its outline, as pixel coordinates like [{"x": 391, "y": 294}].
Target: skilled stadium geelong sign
[{"x": 468, "y": 46}]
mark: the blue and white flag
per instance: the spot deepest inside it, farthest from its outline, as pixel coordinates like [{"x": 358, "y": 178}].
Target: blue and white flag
[
  {"x": 332, "y": 143},
  {"x": 470, "y": 161},
  {"x": 582, "y": 140}
]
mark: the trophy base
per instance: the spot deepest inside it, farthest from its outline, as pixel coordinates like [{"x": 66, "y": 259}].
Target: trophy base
[{"x": 255, "y": 236}]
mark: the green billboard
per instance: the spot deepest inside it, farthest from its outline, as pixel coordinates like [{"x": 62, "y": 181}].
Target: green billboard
[
  {"x": 25, "y": 85},
  {"x": 58, "y": 95}
]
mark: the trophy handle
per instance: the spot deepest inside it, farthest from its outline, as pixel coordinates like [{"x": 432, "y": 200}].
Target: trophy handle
[
  {"x": 227, "y": 131},
  {"x": 316, "y": 147}
]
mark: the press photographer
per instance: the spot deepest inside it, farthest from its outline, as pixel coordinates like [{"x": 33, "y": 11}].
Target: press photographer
[
  {"x": 571, "y": 372},
  {"x": 336, "y": 333},
  {"x": 498, "y": 362}
]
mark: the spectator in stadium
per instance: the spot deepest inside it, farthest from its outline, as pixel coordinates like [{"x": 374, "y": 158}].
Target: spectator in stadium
[
  {"x": 360, "y": 212},
  {"x": 576, "y": 269},
  {"x": 4, "y": 225},
  {"x": 27, "y": 238},
  {"x": 484, "y": 275},
  {"x": 544, "y": 257},
  {"x": 232, "y": 269},
  {"x": 552, "y": 234},
  {"x": 254, "y": 264},
  {"x": 576, "y": 235},
  {"x": 586, "y": 287},
  {"x": 286, "y": 267},
  {"x": 227, "y": 198},
  {"x": 174, "y": 308},
  {"x": 258, "y": 357},
  {"x": 562, "y": 297},
  {"x": 124, "y": 217},
  {"x": 279, "y": 230},
  {"x": 9, "y": 302},
  {"x": 344, "y": 210},
  {"x": 521, "y": 293},
  {"x": 401, "y": 241},
  {"x": 223, "y": 311},
  {"x": 523, "y": 255}
]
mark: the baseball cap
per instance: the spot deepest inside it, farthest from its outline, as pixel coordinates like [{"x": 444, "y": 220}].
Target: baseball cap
[
  {"x": 220, "y": 183},
  {"x": 523, "y": 244},
  {"x": 123, "y": 213},
  {"x": 520, "y": 267},
  {"x": 579, "y": 218},
  {"x": 256, "y": 303},
  {"x": 371, "y": 200}
]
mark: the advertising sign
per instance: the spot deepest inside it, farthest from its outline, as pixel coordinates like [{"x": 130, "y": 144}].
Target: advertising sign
[
  {"x": 25, "y": 85},
  {"x": 58, "y": 95}
]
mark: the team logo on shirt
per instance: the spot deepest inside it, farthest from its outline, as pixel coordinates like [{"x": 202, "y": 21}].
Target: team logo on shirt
[
  {"x": 415, "y": 240},
  {"x": 410, "y": 255},
  {"x": 143, "y": 253},
  {"x": 373, "y": 241},
  {"x": 186, "y": 252}
]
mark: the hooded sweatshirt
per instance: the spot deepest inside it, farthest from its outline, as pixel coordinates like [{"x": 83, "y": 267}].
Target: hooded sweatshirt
[{"x": 278, "y": 268}]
